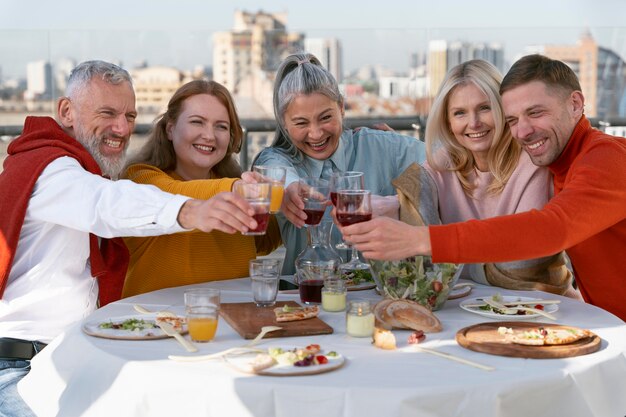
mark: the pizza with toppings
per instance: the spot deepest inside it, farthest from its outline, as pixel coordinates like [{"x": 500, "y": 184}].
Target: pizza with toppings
[
  {"x": 288, "y": 313},
  {"x": 545, "y": 337}
]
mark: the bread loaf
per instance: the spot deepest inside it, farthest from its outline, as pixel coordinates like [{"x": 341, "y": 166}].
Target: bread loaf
[{"x": 406, "y": 314}]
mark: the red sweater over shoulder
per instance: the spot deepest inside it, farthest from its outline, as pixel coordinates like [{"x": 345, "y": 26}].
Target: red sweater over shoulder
[
  {"x": 41, "y": 142},
  {"x": 586, "y": 217}
]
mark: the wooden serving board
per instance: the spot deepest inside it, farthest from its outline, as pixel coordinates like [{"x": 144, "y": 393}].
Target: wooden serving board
[
  {"x": 247, "y": 319},
  {"x": 484, "y": 337}
]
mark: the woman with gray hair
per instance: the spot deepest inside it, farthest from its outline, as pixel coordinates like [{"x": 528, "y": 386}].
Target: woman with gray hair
[{"x": 312, "y": 141}]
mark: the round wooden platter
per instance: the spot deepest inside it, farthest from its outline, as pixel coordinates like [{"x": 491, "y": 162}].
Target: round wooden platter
[{"x": 484, "y": 337}]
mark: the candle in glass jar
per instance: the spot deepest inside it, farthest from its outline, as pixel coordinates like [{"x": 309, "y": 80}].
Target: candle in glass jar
[
  {"x": 334, "y": 295},
  {"x": 360, "y": 319}
]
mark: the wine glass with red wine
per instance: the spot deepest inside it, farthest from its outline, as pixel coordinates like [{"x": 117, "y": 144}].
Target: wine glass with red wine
[
  {"x": 348, "y": 180},
  {"x": 353, "y": 206},
  {"x": 314, "y": 194}
]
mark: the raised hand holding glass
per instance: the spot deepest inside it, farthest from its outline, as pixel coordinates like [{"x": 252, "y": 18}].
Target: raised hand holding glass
[{"x": 348, "y": 180}]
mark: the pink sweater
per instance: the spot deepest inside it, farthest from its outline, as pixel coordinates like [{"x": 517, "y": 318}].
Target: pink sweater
[{"x": 528, "y": 188}]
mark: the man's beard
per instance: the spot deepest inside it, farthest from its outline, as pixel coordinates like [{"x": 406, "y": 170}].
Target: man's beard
[{"x": 111, "y": 166}]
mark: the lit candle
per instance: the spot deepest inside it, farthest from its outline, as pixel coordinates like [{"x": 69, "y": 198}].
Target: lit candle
[{"x": 360, "y": 319}]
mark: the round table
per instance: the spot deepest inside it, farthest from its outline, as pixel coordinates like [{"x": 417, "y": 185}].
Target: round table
[{"x": 82, "y": 375}]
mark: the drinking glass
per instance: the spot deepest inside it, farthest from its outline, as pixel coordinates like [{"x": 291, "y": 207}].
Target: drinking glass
[
  {"x": 275, "y": 175},
  {"x": 310, "y": 279},
  {"x": 258, "y": 195},
  {"x": 348, "y": 180},
  {"x": 353, "y": 206},
  {"x": 314, "y": 194},
  {"x": 202, "y": 306},
  {"x": 264, "y": 274}
]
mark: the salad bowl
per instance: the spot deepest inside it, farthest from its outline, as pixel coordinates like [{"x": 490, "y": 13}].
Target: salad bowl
[{"x": 416, "y": 278}]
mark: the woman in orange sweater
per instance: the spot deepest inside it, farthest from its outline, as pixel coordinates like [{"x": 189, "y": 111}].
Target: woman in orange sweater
[{"x": 191, "y": 152}]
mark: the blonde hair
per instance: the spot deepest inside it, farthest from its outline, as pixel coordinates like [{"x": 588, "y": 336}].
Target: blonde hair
[
  {"x": 159, "y": 150},
  {"x": 504, "y": 153}
]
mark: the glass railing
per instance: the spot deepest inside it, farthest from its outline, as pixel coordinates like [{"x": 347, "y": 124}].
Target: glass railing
[{"x": 386, "y": 75}]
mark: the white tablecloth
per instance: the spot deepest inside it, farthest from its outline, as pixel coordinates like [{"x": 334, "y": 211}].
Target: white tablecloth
[{"x": 82, "y": 375}]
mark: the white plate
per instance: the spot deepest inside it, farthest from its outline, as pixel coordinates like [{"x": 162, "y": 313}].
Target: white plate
[
  {"x": 460, "y": 291},
  {"x": 93, "y": 328},
  {"x": 548, "y": 308},
  {"x": 361, "y": 287},
  {"x": 242, "y": 364}
]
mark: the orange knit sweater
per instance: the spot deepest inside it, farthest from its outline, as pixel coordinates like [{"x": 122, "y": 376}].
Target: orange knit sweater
[
  {"x": 193, "y": 257},
  {"x": 586, "y": 217}
]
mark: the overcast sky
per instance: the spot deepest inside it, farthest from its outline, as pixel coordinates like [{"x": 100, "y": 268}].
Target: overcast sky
[{"x": 384, "y": 32}]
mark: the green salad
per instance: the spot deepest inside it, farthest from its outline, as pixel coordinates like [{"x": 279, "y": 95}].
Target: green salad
[
  {"x": 416, "y": 278},
  {"x": 357, "y": 276},
  {"x": 133, "y": 325}
]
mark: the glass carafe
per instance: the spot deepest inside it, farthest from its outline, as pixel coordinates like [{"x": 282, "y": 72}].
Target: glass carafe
[{"x": 319, "y": 254}]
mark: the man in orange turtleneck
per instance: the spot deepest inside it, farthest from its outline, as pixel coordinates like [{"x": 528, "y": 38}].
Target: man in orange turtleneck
[{"x": 543, "y": 105}]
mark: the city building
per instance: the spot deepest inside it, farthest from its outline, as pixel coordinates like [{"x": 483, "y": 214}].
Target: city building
[
  {"x": 38, "y": 81},
  {"x": 154, "y": 86},
  {"x": 443, "y": 56},
  {"x": 601, "y": 72},
  {"x": 256, "y": 45},
  {"x": 62, "y": 69},
  {"x": 329, "y": 52}
]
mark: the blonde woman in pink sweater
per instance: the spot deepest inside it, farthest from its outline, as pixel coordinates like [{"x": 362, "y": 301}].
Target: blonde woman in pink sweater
[{"x": 475, "y": 170}]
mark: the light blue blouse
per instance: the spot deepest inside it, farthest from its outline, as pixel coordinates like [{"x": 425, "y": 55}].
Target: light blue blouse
[{"x": 380, "y": 155}]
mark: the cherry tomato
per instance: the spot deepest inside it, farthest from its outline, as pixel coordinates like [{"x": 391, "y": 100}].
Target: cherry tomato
[
  {"x": 432, "y": 300},
  {"x": 437, "y": 286},
  {"x": 539, "y": 307},
  {"x": 321, "y": 359},
  {"x": 313, "y": 348}
]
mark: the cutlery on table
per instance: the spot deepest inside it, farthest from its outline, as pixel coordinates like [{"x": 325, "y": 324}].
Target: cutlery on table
[
  {"x": 264, "y": 330},
  {"x": 515, "y": 303},
  {"x": 236, "y": 350},
  {"x": 514, "y": 309},
  {"x": 169, "y": 330},
  {"x": 143, "y": 310},
  {"x": 454, "y": 358}
]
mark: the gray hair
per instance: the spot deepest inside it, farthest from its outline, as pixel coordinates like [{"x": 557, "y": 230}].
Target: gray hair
[
  {"x": 300, "y": 73},
  {"x": 86, "y": 71}
]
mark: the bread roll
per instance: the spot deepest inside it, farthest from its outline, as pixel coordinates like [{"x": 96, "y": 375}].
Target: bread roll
[
  {"x": 384, "y": 339},
  {"x": 415, "y": 316}
]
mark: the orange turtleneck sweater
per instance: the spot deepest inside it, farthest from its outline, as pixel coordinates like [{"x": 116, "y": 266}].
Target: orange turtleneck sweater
[
  {"x": 193, "y": 257},
  {"x": 586, "y": 217}
]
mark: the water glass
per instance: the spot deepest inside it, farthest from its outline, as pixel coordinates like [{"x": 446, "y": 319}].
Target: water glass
[
  {"x": 276, "y": 176},
  {"x": 264, "y": 274},
  {"x": 258, "y": 195},
  {"x": 202, "y": 306}
]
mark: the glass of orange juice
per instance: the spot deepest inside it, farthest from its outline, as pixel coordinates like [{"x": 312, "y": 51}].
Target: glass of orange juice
[
  {"x": 202, "y": 307},
  {"x": 276, "y": 176}
]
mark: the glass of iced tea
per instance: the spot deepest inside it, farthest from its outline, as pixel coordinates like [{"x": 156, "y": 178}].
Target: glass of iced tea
[
  {"x": 202, "y": 306},
  {"x": 258, "y": 195},
  {"x": 275, "y": 175},
  {"x": 314, "y": 194}
]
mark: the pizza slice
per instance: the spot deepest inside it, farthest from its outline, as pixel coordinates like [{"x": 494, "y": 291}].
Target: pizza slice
[
  {"x": 287, "y": 313},
  {"x": 176, "y": 321},
  {"x": 548, "y": 337}
]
